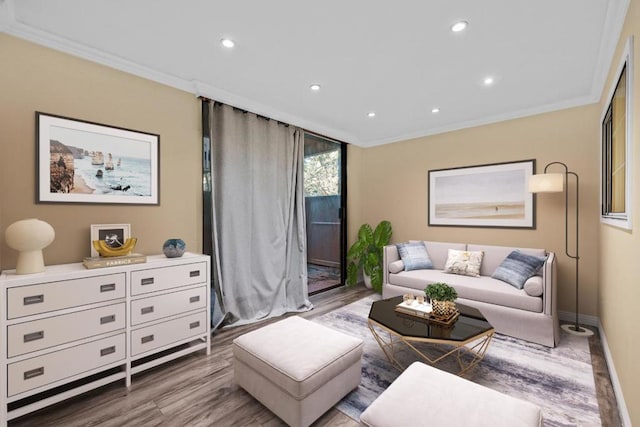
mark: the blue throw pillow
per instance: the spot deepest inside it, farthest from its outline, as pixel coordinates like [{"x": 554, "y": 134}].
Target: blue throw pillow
[
  {"x": 517, "y": 267},
  {"x": 414, "y": 256}
]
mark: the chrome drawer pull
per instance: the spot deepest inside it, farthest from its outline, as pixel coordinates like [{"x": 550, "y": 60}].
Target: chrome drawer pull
[
  {"x": 107, "y": 319},
  {"x": 146, "y": 310},
  {"x": 195, "y": 273},
  {"x": 33, "y": 373},
  {"x": 34, "y": 299},
  {"x": 33, "y": 336},
  {"x": 147, "y": 281},
  {"x": 107, "y": 288},
  {"x": 194, "y": 324},
  {"x": 194, "y": 299},
  {"x": 146, "y": 339},
  {"x": 108, "y": 350}
]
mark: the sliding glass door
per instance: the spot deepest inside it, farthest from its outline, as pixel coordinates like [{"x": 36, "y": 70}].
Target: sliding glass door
[{"x": 324, "y": 183}]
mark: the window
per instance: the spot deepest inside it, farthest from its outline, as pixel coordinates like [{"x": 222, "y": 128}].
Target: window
[{"x": 616, "y": 148}]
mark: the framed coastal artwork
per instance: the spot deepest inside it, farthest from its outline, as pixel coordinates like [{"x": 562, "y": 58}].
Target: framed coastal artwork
[
  {"x": 115, "y": 235},
  {"x": 84, "y": 162},
  {"x": 493, "y": 195}
]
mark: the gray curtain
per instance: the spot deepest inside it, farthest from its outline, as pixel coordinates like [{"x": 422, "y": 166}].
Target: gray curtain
[{"x": 258, "y": 215}]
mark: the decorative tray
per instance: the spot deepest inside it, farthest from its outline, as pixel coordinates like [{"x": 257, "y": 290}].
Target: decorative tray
[{"x": 425, "y": 311}]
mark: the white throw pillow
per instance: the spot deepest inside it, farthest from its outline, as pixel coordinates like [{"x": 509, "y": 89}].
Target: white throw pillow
[
  {"x": 533, "y": 286},
  {"x": 396, "y": 266},
  {"x": 466, "y": 263}
]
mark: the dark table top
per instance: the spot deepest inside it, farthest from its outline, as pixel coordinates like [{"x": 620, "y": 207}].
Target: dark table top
[{"x": 470, "y": 323}]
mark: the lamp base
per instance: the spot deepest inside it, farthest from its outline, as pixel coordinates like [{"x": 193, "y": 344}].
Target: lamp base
[{"x": 580, "y": 331}]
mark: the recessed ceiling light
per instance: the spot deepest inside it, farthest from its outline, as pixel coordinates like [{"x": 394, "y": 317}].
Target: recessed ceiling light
[
  {"x": 315, "y": 87},
  {"x": 488, "y": 81},
  {"x": 459, "y": 26},
  {"x": 435, "y": 110},
  {"x": 228, "y": 43},
  {"x": 371, "y": 114}
]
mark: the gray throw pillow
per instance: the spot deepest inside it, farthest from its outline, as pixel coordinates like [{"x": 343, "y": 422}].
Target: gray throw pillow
[
  {"x": 517, "y": 267},
  {"x": 414, "y": 256}
]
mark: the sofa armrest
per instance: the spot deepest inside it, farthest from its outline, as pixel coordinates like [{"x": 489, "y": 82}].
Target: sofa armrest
[
  {"x": 389, "y": 255},
  {"x": 549, "y": 285}
]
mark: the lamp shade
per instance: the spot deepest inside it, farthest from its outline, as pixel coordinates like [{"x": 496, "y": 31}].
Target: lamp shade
[{"x": 546, "y": 183}]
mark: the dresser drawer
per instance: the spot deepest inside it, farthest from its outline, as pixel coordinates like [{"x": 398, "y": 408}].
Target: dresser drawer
[
  {"x": 39, "y": 371},
  {"x": 39, "y": 334},
  {"x": 163, "y": 278},
  {"x": 157, "y": 307},
  {"x": 152, "y": 337},
  {"x": 45, "y": 297}
]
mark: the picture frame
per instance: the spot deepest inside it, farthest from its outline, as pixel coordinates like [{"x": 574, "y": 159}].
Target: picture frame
[
  {"x": 115, "y": 235},
  {"x": 85, "y": 162},
  {"x": 491, "y": 195}
]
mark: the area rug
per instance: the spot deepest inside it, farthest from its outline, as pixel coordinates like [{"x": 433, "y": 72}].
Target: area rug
[{"x": 559, "y": 380}]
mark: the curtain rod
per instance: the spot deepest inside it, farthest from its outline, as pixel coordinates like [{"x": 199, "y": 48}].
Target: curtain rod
[{"x": 204, "y": 98}]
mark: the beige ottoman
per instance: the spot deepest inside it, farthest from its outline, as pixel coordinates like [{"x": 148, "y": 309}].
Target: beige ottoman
[
  {"x": 426, "y": 396},
  {"x": 297, "y": 368}
]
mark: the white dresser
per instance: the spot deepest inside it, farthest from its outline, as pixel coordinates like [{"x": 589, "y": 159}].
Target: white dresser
[{"x": 69, "y": 330}]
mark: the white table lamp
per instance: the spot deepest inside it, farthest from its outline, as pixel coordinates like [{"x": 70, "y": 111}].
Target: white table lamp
[{"x": 29, "y": 237}]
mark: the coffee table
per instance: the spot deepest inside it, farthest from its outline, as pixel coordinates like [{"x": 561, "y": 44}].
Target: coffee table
[{"x": 467, "y": 339}]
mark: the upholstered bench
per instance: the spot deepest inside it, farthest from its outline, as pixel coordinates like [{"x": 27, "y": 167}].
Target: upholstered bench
[
  {"x": 426, "y": 396},
  {"x": 297, "y": 368}
]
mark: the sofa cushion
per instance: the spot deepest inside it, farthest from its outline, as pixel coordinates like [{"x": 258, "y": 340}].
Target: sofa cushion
[
  {"x": 517, "y": 267},
  {"x": 483, "y": 289},
  {"x": 494, "y": 255},
  {"x": 466, "y": 263},
  {"x": 439, "y": 251},
  {"x": 396, "y": 266},
  {"x": 533, "y": 286},
  {"x": 414, "y": 256}
]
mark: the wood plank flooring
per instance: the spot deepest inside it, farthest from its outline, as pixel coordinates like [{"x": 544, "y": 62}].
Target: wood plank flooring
[{"x": 197, "y": 390}]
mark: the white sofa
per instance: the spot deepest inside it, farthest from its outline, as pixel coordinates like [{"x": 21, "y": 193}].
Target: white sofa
[{"x": 529, "y": 313}]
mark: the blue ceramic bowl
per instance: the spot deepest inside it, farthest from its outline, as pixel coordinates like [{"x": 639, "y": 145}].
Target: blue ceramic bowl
[{"x": 174, "y": 248}]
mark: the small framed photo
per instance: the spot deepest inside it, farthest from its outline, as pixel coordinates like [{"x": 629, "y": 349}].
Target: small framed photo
[{"x": 114, "y": 234}]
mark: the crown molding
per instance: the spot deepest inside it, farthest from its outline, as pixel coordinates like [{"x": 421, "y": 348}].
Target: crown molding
[
  {"x": 615, "y": 16},
  {"x": 613, "y": 24},
  {"x": 221, "y": 95},
  {"x": 11, "y": 26},
  {"x": 572, "y": 103}
]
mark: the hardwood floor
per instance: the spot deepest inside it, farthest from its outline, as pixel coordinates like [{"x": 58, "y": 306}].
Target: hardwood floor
[{"x": 199, "y": 391}]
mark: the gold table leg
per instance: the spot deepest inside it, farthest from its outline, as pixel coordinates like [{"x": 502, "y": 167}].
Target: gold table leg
[{"x": 390, "y": 346}]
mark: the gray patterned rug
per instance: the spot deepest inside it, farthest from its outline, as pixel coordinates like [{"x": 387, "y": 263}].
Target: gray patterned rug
[{"x": 559, "y": 380}]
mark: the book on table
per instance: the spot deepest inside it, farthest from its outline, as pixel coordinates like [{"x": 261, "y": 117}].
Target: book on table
[
  {"x": 100, "y": 261},
  {"x": 415, "y": 308}
]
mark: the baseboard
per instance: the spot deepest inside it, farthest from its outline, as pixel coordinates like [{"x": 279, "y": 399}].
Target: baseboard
[
  {"x": 617, "y": 389},
  {"x": 585, "y": 319}
]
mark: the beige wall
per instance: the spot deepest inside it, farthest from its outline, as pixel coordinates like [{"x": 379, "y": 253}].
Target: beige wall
[
  {"x": 34, "y": 78},
  {"x": 619, "y": 266},
  {"x": 391, "y": 183}
]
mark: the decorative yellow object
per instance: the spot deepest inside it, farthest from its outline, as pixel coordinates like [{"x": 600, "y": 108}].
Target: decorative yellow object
[{"x": 107, "y": 251}]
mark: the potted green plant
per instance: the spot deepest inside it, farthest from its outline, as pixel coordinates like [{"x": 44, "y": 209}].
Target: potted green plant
[
  {"x": 366, "y": 254},
  {"x": 442, "y": 298}
]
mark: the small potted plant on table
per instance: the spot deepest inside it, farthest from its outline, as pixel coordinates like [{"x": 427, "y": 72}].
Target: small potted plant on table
[{"x": 442, "y": 298}]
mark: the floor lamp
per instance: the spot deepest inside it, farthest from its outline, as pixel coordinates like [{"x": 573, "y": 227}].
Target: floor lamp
[{"x": 553, "y": 183}]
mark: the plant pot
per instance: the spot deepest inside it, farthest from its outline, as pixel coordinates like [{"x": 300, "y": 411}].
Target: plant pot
[
  {"x": 443, "y": 308},
  {"x": 367, "y": 280}
]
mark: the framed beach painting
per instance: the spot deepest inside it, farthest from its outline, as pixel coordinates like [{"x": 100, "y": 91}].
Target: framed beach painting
[
  {"x": 84, "y": 162},
  {"x": 493, "y": 195}
]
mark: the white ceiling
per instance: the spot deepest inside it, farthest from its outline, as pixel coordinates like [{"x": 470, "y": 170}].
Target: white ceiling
[{"x": 398, "y": 58}]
